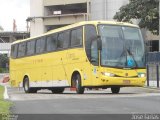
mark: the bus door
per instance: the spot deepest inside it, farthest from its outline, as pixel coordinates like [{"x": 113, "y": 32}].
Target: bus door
[
  {"x": 94, "y": 62},
  {"x": 92, "y": 52}
]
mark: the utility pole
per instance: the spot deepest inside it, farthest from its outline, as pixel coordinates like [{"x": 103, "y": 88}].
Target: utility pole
[{"x": 14, "y": 26}]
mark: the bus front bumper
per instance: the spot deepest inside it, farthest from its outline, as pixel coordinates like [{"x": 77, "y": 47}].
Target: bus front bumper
[{"x": 121, "y": 81}]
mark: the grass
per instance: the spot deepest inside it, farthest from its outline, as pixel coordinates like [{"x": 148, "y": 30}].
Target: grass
[
  {"x": 4, "y": 105},
  {"x": 4, "y": 70}
]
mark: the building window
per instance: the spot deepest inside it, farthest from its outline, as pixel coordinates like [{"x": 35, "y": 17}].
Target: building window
[{"x": 154, "y": 45}]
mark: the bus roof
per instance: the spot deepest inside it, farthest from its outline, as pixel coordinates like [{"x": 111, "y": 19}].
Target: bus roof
[{"x": 76, "y": 25}]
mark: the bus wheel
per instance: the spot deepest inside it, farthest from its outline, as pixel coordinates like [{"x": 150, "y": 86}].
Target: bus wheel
[
  {"x": 57, "y": 90},
  {"x": 33, "y": 90},
  {"x": 27, "y": 88},
  {"x": 115, "y": 90},
  {"x": 79, "y": 88}
]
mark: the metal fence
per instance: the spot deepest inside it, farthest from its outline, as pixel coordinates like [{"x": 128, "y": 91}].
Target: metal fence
[{"x": 153, "y": 69}]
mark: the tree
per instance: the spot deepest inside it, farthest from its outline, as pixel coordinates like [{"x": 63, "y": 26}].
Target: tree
[
  {"x": 146, "y": 11},
  {"x": 3, "y": 60}
]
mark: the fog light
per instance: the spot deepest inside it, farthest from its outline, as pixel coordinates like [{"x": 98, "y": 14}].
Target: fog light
[{"x": 108, "y": 74}]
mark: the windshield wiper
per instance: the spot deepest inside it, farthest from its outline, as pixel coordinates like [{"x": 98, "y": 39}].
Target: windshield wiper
[
  {"x": 123, "y": 54},
  {"x": 120, "y": 59}
]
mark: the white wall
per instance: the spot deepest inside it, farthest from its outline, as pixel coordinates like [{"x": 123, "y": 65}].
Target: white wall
[
  {"x": 5, "y": 48},
  {"x": 36, "y": 10},
  {"x": 97, "y": 9},
  {"x": 105, "y": 9},
  {"x": 113, "y": 7}
]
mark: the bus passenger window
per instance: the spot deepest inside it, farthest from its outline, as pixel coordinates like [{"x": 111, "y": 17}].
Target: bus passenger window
[
  {"x": 76, "y": 37},
  {"x": 51, "y": 42},
  {"x": 60, "y": 41},
  {"x": 31, "y": 47},
  {"x": 14, "y": 49},
  {"x": 22, "y": 49},
  {"x": 66, "y": 36},
  {"x": 40, "y": 45}
]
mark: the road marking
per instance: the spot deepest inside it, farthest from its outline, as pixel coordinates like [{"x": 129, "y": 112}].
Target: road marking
[{"x": 152, "y": 88}]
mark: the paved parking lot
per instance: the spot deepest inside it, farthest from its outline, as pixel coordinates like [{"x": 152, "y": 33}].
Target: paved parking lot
[
  {"x": 130, "y": 100},
  {"x": 17, "y": 94}
]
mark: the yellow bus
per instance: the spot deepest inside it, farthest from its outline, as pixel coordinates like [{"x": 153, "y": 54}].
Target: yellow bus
[{"x": 90, "y": 54}]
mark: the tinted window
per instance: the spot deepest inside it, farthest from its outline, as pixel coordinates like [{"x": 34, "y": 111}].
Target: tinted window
[
  {"x": 21, "y": 49},
  {"x": 94, "y": 52},
  {"x": 51, "y": 42},
  {"x": 76, "y": 37},
  {"x": 60, "y": 41},
  {"x": 66, "y": 36},
  {"x": 14, "y": 50},
  {"x": 40, "y": 45},
  {"x": 90, "y": 34},
  {"x": 31, "y": 47}
]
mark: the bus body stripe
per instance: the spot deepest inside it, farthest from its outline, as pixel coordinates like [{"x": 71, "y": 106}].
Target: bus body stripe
[{"x": 48, "y": 83}]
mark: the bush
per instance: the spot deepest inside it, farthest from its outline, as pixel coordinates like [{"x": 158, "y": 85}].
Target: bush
[
  {"x": 1, "y": 70},
  {"x": 4, "y": 70}
]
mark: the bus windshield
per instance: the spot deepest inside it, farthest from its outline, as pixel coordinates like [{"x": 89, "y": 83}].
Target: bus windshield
[{"x": 122, "y": 47}]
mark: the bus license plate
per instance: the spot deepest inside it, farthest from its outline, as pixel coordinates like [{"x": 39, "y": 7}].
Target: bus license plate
[{"x": 126, "y": 81}]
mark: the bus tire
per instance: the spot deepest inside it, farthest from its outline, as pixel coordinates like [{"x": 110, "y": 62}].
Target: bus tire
[
  {"x": 115, "y": 90},
  {"x": 79, "y": 88},
  {"x": 33, "y": 90},
  {"x": 57, "y": 90},
  {"x": 27, "y": 88}
]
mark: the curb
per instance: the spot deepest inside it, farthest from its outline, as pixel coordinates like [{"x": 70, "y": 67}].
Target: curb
[
  {"x": 5, "y": 94},
  {"x": 152, "y": 88}
]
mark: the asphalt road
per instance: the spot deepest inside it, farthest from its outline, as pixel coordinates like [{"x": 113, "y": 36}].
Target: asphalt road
[{"x": 129, "y": 101}]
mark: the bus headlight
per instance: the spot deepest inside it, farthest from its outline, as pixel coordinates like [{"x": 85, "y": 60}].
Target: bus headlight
[
  {"x": 141, "y": 75},
  {"x": 108, "y": 74}
]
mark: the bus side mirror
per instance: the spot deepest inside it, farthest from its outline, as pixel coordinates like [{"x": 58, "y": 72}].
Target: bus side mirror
[{"x": 99, "y": 43}]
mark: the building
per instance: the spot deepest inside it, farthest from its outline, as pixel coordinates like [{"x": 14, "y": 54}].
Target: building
[
  {"x": 51, "y": 14},
  {"x": 6, "y": 38},
  {"x": 105, "y": 9}
]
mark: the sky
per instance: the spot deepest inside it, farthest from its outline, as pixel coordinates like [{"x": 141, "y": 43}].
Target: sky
[{"x": 14, "y": 9}]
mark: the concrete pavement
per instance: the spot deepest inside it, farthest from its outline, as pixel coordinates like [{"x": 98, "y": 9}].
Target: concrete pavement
[
  {"x": 129, "y": 101},
  {"x": 91, "y": 105}
]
